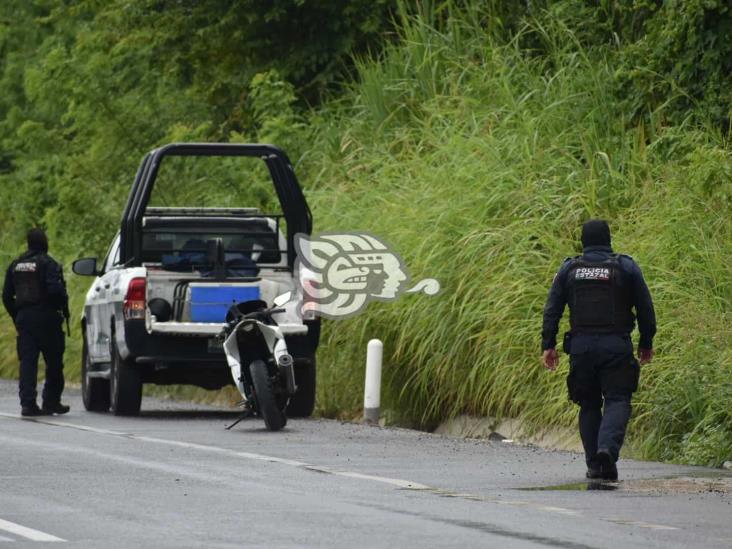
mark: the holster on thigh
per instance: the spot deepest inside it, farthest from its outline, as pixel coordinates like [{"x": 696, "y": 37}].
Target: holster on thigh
[
  {"x": 582, "y": 383},
  {"x": 580, "y": 387},
  {"x": 572, "y": 385},
  {"x": 621, "y": 378}
]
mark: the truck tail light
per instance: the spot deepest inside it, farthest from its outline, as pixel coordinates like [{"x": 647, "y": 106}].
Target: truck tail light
[
  {"x": 311, "y": 295},
  {"x": 134, "y": 306}
]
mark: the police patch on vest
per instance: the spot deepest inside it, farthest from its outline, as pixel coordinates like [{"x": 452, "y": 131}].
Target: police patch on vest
[
  {"x": 592, "y": 273},
  {"x": 29, "y": 267}
]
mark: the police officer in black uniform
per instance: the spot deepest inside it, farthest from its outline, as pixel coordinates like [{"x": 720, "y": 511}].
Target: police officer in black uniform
[
  {"x": 34, "y": 294},
  {"x": 602, "y": 289}
]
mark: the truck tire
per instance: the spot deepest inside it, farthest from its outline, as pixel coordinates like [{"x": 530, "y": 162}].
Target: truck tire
[
  {"x": 94, "y": 390},
  {"x": 274, "y": 417},
  {"x": 302, "y": 403},
  {"x": 125, "y": 385}
]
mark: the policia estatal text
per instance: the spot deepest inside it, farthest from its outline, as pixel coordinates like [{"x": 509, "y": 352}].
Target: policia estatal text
[
  {"x": 602, "y": 290},
  {"x": 34, "y": 294}
]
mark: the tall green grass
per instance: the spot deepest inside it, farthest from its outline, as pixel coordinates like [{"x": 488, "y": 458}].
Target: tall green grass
[{"x": 479, "y": 161}]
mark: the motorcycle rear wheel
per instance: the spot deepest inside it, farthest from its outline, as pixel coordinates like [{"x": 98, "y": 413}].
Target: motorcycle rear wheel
[{"x": 264, "y": 395}]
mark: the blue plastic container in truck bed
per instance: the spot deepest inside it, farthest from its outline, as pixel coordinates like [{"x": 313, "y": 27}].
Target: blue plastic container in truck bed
[{"x": 210, "y": 302}]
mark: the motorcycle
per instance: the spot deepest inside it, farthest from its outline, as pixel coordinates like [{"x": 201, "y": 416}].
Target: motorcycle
[{"x": 256, "y": 351}]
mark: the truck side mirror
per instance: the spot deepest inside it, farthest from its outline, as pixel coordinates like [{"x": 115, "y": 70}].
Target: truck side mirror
[{"x": 86, "y": 266}]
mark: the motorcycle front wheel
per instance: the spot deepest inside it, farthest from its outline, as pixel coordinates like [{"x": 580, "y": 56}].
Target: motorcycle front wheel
[{"x": 264, "y": 395}]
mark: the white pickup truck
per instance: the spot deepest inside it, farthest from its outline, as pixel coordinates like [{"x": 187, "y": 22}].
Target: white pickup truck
[{"x": 160, "y": 297}]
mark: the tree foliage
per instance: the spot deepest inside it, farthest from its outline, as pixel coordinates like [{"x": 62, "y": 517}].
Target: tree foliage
[{"x": 87, "y": 87}]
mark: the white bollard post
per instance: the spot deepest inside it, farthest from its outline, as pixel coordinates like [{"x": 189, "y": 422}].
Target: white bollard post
[{"x": 372, "y": 389}]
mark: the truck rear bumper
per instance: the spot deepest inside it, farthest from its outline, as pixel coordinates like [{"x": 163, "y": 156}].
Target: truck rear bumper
[{"x": 172, "y": 349}]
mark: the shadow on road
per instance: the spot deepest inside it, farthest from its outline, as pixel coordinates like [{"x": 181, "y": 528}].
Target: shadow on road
[
  {"x": 248, "y": 425},
  {"x": 190, "y": 414}
]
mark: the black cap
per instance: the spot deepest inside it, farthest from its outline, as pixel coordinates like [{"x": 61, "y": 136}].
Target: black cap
[
  {"x": 595, "y": 232},
  {"x": 37, "y": 240}
]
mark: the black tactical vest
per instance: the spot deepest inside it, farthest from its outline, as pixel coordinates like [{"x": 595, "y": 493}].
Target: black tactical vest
[
  {"x": 600, "y": 297},
  {"x": 29, "y": 279}
]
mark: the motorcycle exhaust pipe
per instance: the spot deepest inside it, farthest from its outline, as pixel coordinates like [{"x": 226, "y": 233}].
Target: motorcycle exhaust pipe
[{"x": 287, "y": 369}]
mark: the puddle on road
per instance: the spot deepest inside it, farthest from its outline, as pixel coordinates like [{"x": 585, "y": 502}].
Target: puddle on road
[
  {"x": 575, "y": 486},
  {"x": 701, "y": 484}
]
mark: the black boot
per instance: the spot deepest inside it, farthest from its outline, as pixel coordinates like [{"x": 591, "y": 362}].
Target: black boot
[
  {"x": 607, "y": 464},
  {"x": 594, "y": 472},
  {"x": 57, "y": 408},
  {"x": 31, "y": 410}
]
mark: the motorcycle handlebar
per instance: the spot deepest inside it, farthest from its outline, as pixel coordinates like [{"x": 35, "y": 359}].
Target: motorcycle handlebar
[{"x": 266, "y": 312}]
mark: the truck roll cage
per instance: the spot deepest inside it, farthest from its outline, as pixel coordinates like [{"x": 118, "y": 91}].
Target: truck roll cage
[{"x": 292, "y": 201}]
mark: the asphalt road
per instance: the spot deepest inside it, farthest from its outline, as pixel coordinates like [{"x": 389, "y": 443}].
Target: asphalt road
[{"x": 174, "y": 477}]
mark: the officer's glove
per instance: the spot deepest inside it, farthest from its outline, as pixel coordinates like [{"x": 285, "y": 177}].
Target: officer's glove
[
  {"x": 551, "y": 359},
  {"x": 645, "y": 355}
]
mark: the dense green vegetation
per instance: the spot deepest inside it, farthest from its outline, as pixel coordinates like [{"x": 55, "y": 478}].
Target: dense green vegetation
[{"x": 477, "y": 139}]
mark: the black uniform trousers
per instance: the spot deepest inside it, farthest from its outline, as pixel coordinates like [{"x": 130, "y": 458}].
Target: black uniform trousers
[
  {"x": 602, "y": 383},
  {"x": 40, "y": 331}
]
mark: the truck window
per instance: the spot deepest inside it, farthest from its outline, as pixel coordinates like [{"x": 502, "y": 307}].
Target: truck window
[
  {"x": 257, "y": 242},
  {"x": 112, "y": 258}
]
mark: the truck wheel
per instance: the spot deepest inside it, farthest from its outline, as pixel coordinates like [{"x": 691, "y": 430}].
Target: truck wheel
[
  {"x": 274, "y": 417},
  {"x": 125, "y": 385},
  {"x": 302, "y": 402},
  {"x": 94, "y": 390}
]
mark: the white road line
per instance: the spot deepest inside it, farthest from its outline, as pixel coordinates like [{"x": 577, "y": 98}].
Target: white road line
[
  {"x": 393, "y": 481},
  {"x": 219, "y": 450},
  {"x": 25, "y": 532},
  {"x": 640, "y": 524},
  {"x": 399, "y": 483},
  {"x": 65, "y": 424},
  {"x": 3, "y": 538}
]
